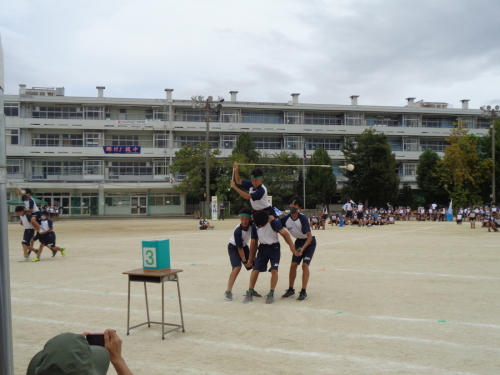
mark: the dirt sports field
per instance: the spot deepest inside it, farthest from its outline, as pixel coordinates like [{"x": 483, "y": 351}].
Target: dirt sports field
[{"x": 410, "y": 298}]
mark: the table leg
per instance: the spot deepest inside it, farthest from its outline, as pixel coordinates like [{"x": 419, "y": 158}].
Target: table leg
[
  {"x": 180, "y": 304},
  {"x": 162, "y": 310},
  {"x": 128, "y": 308},
  {"x": 147, "y": 306}
]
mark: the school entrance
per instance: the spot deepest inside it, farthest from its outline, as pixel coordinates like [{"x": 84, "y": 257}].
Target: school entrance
[{"x": 138, "y": 205}]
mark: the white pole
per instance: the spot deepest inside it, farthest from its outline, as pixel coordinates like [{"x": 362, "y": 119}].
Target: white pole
[
  {"x": 304, "y": 173},
  {"x": 6, "y": 348}
]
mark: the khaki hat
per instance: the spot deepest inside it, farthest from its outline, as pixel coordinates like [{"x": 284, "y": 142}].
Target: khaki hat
[{"x": 69, "y": 354}]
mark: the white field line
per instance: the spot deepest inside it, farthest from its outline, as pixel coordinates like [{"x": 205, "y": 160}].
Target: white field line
[
  {"x": 420, "y": 274},
  {"x": 307, "y": 309},
  {"x": 381, "y": 364},
  {"x": 416, "y": 340}
]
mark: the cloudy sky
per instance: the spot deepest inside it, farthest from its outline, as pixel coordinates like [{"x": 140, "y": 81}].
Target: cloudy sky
[{"x": 326, "y": 50}]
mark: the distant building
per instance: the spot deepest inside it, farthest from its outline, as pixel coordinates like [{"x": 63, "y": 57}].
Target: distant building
[{"x": 56, "y": 144}]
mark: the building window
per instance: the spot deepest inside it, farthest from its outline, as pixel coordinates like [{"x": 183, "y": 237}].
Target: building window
[
  {"x": 57, "y": 112},
  {"x": 164, "y": 200},
  {"x": 160, "y": 140},
  {"x": 293, "y": 143},
  {"x": 410, "y": 144},
  {"x": 93, "y": 113},
  {"x": 268, "y": 143},
  {"x": 483, "y": 123},
  {"x": 227, "y": 142},
  {"x": 72, "y": 140},
  {"x": 160, "y": 115},
  {"x": 293, "y": 117},
  {"x": 354, "y": 119},
  {"x": 191, "y": 140},
  {"x": 93, "y": 167},
  {"x": 410, "y": 120},
  {"x": 15, "y": 166},
  {"x": 395, "y": 145},
  {"x": 468, "y": 121},
  {"x": 130, "y": 168},
  {"x": 11, "y": 109},
  {"x": 45, "y": 140},
  {"x": 12, "y": 136},
  {"x": 322, "y": 119},
  {"x": 262, "y": 117},
  {"x": 409, "y": 169},
  {"x": 160, "y": 167},
  {"x": 48, "y": 169},
  {"x": 117, "y": 200},
  {"x": 195, "y": 116},
  {"x": 437, "y": 146},
  {"x": 372, "y": 120},
  {"x": 129, "y": 140},
  {"x": 437, "y": 122},
  {"x": 227, "y": 115},
  {"x": 328, "y": 144},
  {"x": 92, "y": 139}
]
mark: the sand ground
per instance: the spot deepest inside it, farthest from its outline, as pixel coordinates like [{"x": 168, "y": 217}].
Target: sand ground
[{"x": 411, "y": 298}]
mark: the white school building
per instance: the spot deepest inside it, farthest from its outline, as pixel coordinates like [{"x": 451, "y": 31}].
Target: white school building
[{"x": 56, "y": 144}]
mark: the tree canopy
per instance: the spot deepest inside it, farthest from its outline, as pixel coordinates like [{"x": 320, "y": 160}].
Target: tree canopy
[
  {"x": 321, "y": 183},
  {"x": 428, "y": 179},
  {"x": 374, "y": 179},
  {"x": 461, "y": 170},
  {"x": 190, "y": 161}
]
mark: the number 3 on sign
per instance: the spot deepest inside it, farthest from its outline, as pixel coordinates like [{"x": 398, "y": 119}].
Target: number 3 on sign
[{"x": 149, "y": 256}]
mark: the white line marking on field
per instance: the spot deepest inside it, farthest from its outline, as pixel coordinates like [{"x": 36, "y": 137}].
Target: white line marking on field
[
  {"x": 420, "y": 274},
  {"x": 365, "y": 361}
]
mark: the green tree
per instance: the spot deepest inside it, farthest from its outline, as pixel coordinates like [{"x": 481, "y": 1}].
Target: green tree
[
  {"x": 374, "y": 179},
  {"x": 190, "y": 161},
  {"x": 461, "y": 170},
  {"x": 321, "y": 183},
  {"x": 282, "y": 182},
  {"x": 428, "y": 180},
  {"x": 405, "y": 197},
  {"x": 485, "y": 148},
  {"x": 246, "y": 146}
]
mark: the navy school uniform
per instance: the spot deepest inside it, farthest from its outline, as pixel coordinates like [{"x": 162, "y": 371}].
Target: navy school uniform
[
  {"x": 50, "y": 237},
  {"x": 258, "y": 198},
  {"x": 29, "y": 231},
  {"x": 298, "y": 228},
  {"x": 269, "y": 246},
  {"x": 240, "y": 239}
]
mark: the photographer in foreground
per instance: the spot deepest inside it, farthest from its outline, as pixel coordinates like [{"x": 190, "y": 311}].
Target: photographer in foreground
[{"x": 70, "y": 353}]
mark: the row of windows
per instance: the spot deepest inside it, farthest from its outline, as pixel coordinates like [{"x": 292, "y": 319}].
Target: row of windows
[
  {"x": 236, "y": 116},
  {"x": 49, "y": 169},
  {"x": 160, "y": 140}
]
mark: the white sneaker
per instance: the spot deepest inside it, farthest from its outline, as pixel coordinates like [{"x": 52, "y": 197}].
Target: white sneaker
[{"x": 25, "y": 259}]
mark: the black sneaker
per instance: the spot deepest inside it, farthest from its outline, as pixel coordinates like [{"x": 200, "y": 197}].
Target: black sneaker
[
  {"x": 248, "y": 297},
  {"x": 228, "y": 296},
  {"x": 302, "y": 296},
  {"x": 288, "y": 293},
  {"x": 256, "y": 294},
  {"x": 54, "y": 253},
  {"x": 270, "y": 298}
]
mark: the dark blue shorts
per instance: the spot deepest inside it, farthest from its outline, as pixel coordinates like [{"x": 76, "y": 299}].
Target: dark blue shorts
[
  {"x": 234, "y": 255},
  {"x": 28, "y": 236},
  {"x": 307, "y": 254},
  {"x": 48, "y": 239},
  {"x": 267, "y": 253}
]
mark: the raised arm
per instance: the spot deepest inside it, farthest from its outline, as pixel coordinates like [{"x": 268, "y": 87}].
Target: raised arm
[{"x": 237, "y": 177}]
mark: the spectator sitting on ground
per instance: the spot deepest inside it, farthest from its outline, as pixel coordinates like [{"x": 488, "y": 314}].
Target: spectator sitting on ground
[
  {"x": 70, "y": 353},
  {"x": 204, "y": 224}
]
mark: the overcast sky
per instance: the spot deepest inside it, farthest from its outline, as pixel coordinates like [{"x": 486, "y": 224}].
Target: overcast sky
[{"x": 326, "y": 50}]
